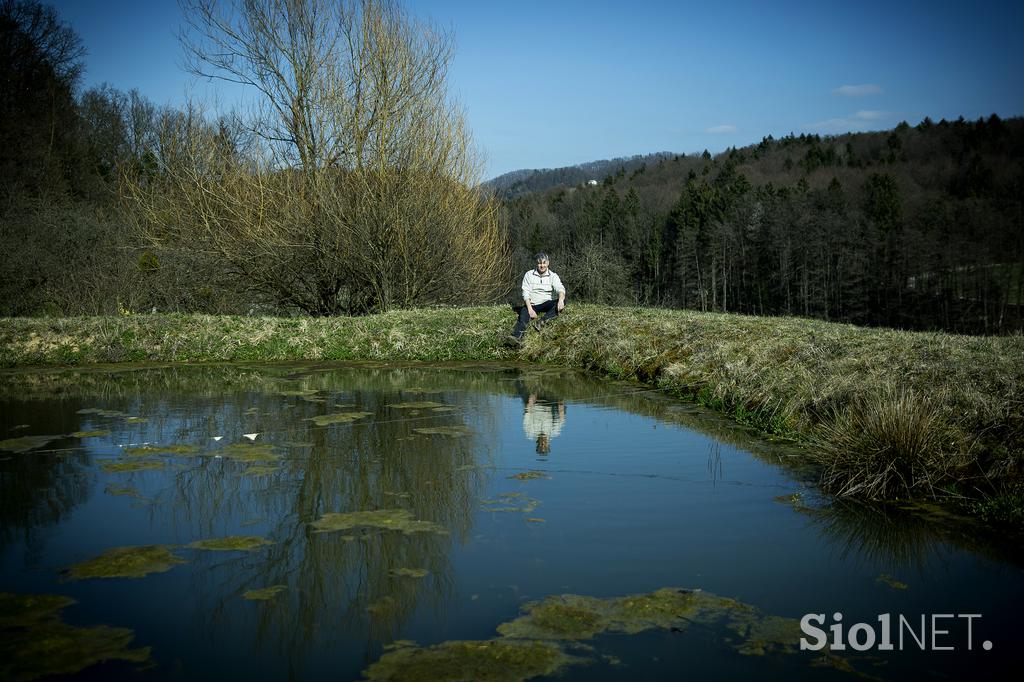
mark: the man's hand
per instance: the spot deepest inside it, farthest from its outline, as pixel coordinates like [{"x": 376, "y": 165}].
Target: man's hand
[
  {"x": 533, "y": 313},
  {"x": 561, "y": 305}
]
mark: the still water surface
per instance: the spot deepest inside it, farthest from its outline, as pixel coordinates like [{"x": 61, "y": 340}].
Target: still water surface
[{"x": 492, "y": 491}]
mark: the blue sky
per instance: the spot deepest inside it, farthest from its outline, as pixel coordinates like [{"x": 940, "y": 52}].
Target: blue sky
[{"x": 549, "y": 84}]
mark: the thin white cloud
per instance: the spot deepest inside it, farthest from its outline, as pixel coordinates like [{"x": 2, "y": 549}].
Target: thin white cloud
[
  {"x": 862, "y": 90},
  {"x": 721, "y": 129},
  {"x": 869, "y": 115},
  {"x": 859, "y": 121}
]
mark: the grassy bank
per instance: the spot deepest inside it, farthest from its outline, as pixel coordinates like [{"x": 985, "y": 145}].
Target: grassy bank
[{"x": 889, "y": 414}]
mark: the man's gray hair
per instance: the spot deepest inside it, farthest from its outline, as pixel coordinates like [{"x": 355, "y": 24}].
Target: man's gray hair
[{"x": 541, "y": 256}]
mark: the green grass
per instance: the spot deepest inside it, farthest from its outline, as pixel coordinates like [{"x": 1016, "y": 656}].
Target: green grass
[{"x": 889, "y": 414}]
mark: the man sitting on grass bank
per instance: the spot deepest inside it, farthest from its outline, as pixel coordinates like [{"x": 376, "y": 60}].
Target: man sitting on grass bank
[{"x": 542, "y": 293}]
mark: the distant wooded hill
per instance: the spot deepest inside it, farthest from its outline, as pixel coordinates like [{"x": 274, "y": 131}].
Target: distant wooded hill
[
  {"x": 519, "y": 182},
  {"x": 919, "y": 227}
]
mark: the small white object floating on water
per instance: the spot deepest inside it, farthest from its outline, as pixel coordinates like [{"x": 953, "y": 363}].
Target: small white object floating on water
[
  {"x": 217, "y": 437},
  {"x": 250, "y": 436}
]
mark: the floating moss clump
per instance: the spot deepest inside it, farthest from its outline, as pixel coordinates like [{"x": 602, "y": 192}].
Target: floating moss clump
[
  {"x": 265, "y": 594},
  {"x": 138, "y": 465},
  {"x": 565, "y": 617},
  {"x": 101, "y": 412},
  {"x": 529, "y": 475},
  {"x": 249, "y": 452},
  {"x": 242, "y": 543},
  {"x": 136, "y": 420},
  {"x": 143, "y": 450},
  {"x": 21, "y": 609},
  {"x": 98, "y": 433},
  {"x": 493, "y": 660},
  {"x": 510, "y": 503},
  {"x": 126, "y": 562},
  {"x": 762, "y": 634},
  {"x": 889, "y": 581},
  {"x": 35, "y": 642},
  {"x": 338, "y": 418},
  {"x": 410, "y": 572},
  {"x": 454, "y": 431},
  {"x": 421, "y": 405},
  {"x": 26, "y": 443},
  {"x": 385, "y": 519},
  {"x": 399, "y": 644},
  {"x": 664, "y": 608},
  {"x": 577, "y": 617}
]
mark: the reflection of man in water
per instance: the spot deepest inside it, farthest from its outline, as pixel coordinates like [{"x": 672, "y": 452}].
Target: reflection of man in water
[{"x": 542, "y": 421}]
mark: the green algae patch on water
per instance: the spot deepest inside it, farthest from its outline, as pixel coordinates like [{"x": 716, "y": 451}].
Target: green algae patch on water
[
  {"x": 138, "y": 465},
  {"x": 566, "y": 616},
  {"x": 26, "y": 443},
  {"x": 35, "y": 642},
  {"x": 513, "y": 502},
  {"x": 576, "y": 617},
  {"x": 338, "y": 418},
  {"x": 410, "y": 572},
  {"x": 494, "y": 660},
  {"x": 126, "y": 562},
  {"x": 251, "y": 453},
  {"x": 239, "y": 543},
  {"x": 385, "y": 519},
  {"x": 171, "y": 449},
  {"x": 454, "y": 431},
  {"x": 264, "y": 594},
  {"x": 101, "y": 412},
  {"x": 420, "y": 405},
  {"x": 529, "y": 475},
  {"x": 97, "y": 433},
  {"x": 762, "y": 634}
]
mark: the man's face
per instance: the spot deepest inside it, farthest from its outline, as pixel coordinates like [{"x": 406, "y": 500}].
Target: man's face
[{"x": 542, "y": 266}]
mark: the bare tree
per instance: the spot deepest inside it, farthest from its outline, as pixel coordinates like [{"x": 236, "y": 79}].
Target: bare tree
[{"x": 352, "y": 185}]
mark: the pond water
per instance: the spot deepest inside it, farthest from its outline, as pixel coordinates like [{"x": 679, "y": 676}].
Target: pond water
[{"x": 460, "y": 522}]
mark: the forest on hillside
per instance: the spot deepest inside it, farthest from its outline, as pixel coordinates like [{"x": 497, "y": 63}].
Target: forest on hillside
[{"x": 920, "y": 227}]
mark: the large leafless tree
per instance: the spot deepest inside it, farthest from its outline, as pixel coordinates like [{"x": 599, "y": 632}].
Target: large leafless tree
[{"x": 351, "y": 185}]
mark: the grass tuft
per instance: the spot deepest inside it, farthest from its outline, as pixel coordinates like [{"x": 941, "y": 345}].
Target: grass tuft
[{"x": 889, "y": 445}]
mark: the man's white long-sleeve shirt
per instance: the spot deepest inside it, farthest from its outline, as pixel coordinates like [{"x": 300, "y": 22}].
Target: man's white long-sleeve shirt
[{"x": 538, "y": 288}]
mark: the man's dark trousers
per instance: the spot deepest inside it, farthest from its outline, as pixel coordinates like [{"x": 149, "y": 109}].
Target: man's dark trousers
[{"x": 549, "y": 308}]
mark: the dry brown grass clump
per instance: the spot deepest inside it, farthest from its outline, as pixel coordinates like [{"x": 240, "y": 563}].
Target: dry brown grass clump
[{"x": 888, "y": 445}]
